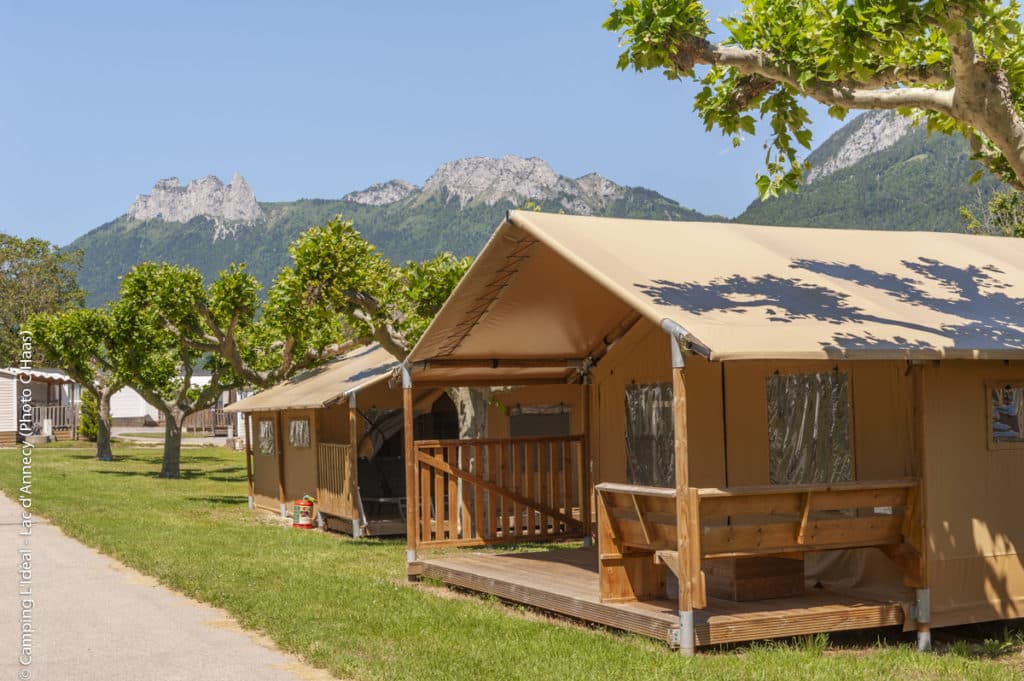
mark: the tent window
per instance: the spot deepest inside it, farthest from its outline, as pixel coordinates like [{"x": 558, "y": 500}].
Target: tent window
[
  {"x": 539, "y": 421},
  {"x": 298, "y": 433},
  {"x": 809, "y": 428},
  {"x": 266, "y": 439},
  {"x": 1007, "y": 414},
  {"x": 650, "y": 438}
]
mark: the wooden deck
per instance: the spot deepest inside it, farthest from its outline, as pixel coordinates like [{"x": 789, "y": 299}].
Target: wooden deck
[{"x": 566, "y": 582}]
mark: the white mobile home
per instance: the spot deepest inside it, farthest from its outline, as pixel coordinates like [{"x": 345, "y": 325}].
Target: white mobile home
[{"x": 53, "y": 399}]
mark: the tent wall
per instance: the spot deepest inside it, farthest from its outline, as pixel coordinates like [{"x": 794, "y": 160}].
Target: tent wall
[
  {"x": 881, "y": 395},
  {"x": 332, "y": 423},
  {"x": 643, "y": 356},
  {"x": 499, "y": 420},
  {"x": 728, "y": 411},
  {"x": 265, "y": 467},
  {"x": 974, "y": 512},
  {"x": 299, "y": 462}
]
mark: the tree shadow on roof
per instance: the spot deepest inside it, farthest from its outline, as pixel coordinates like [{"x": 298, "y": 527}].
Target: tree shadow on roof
[{"x": 990, "y": 319}]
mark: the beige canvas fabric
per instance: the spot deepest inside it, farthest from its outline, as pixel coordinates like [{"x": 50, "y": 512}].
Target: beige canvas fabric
[
  {"x": 324, "y": 385},
  {"x": 553, "y": 286}
]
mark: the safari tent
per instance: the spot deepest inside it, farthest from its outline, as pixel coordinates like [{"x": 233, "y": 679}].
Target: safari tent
[
  {"x": 48, "y": 396},
  {"x": 336, "y": 433},
  {"x": 787, "y": 430}
]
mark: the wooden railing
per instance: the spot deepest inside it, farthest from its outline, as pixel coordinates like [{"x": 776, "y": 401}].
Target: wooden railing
[
  {"x": 338, "y": 480},
  {"x": 637, "y": 528},
  {"x": 62, "y": 416},
  {"x": 211, "y": 421},
  {"x": 491, "y": 491}
]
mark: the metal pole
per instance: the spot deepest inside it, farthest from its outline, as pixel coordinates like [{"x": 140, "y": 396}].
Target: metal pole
[
  {"x": 923, "y": 615},
  {"x": 353, "y": 439},
  {"x": 412, "y": 498}
]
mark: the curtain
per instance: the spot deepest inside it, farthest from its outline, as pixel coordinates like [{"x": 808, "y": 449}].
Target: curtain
[
  {"x": 298, "y": 432},
  {"x": 809, "y": 428},
  {"x": 266, "y": 439},
  {"x": 650, "y": 436}
]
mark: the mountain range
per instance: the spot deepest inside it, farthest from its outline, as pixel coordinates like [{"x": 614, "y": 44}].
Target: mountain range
[
  {"x": 876, "y": 172},
  {"x": 209, "y": 225}
]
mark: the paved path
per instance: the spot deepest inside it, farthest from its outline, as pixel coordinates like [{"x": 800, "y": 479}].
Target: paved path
[
  {"x": 124, "y": 434},
  {"x": 97, "y": 620}
]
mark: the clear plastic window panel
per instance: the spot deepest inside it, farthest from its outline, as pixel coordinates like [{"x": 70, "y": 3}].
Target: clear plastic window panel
[
  {"x": 298, "y": 432},
  {"x": 650, "y": 438},
  {"x": 809, "y": 428},
  {"x": 266, "y": 439},
  {"x": 1008, "y": 413}
]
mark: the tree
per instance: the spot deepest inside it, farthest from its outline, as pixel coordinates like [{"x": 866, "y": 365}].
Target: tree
[
  {"x": 88, "y": 418},
  {"x": 154, "y": 331},
  {"x": 35, "y": 277},
  {"x": 339, "y": 292},
  {"x": 957, "y": 65},
  {"x": 1001, "y": 215},
  {"x": 81, "y": 342},
  {"x": 378, "y": 301}
]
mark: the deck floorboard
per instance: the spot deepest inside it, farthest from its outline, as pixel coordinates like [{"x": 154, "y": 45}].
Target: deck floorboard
[{"x": 565, "y": 581}]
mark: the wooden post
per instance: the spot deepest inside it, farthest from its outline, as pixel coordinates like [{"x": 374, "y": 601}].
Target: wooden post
[
  {"x": 353, "y": 441},
  {"x": 249, "y": 461},
  {"x": 279, "y": 450},
  {"x": 412, "y": 501},
  {"x": 684, "y": 522},
  {"x": 922, "y": 607},
  {"x": 586, "y": 486}
]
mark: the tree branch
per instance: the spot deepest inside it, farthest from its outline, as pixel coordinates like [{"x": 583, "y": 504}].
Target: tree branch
[
  {"x": 384, "y": 333},
  {"x": 851, "y": 95}
]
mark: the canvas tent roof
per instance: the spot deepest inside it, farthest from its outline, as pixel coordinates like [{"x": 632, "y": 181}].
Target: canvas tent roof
[
  {"x": 324, "y": 385},
  {"x": 549, "y": 289}
]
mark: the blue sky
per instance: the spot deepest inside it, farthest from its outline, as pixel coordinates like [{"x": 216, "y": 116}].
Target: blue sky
[{"x": 315, "y": 99}]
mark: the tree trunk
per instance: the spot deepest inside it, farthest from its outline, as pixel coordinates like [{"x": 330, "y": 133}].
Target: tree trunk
[
  {"x": 471, "y": 404},
  {"x": 103, "y": 424},
  {"x": 171, "y": 467}
]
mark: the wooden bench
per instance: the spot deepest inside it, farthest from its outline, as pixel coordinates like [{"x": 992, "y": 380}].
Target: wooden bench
[{"x": 739, "y": 527}]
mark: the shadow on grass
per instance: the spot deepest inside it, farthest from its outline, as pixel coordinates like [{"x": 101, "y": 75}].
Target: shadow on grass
[
  {"x": 222, "y": 499},
  {"x": 223, "y": 474}
]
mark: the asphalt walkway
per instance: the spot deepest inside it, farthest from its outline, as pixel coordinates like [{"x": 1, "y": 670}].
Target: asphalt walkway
[{"x": 94, "y": 619}]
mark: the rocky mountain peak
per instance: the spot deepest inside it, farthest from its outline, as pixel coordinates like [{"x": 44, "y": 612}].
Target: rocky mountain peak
[
  {"x": 490, "y": 180},
  {"x": 382, "y": 193},
  {"x": 878, "y": 130},
  {"x": 232, "y": 203}
]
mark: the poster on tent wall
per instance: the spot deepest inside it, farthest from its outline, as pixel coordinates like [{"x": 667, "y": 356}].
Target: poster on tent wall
[
  {"x": 809, "y": 428},
  {"x": 1007, "y": 413},
  {"x": 650, "y": 439}
]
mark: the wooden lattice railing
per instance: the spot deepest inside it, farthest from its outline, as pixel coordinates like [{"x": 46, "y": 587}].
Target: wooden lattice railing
[
  {"x": 490, "y": 491},
  {"x": 209, "y": 421},
  {"x": 337, "y": 480},
  {"x": 637, "y": 528},
  {"x": 61, "y": 416}
]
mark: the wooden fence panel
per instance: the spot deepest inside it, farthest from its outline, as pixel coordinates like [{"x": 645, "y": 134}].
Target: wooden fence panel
[
  {"x": 494, "y": 491},
  {"x": 337, "y": 480}
]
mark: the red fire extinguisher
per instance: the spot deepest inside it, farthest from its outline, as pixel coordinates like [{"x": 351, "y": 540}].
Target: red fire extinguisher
[{"x": 302, "y": 513}]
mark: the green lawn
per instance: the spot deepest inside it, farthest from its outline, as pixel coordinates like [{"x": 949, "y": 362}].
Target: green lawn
[{"x": 344, "y": 605}]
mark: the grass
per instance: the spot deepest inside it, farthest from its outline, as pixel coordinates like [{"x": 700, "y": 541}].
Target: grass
[{"x": 344, "y": 605}]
